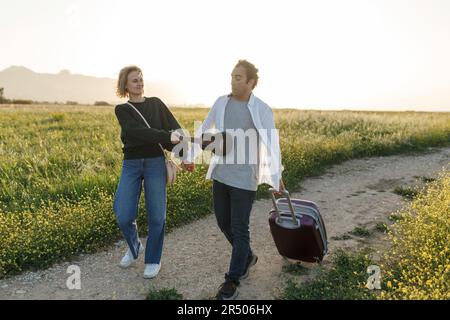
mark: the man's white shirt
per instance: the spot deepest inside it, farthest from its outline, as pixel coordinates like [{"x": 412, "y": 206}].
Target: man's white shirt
[{"x": 270, "y": 167}]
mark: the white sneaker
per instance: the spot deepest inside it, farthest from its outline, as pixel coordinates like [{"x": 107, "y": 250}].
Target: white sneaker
[
  {"x": 128, "y": 258},
  {"x": 151, "y": 270}
]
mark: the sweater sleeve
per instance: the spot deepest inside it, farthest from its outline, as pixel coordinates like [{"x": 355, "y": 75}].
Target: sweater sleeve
[
  {"x": 170, "y": 122},
  {"x": 132, "y": 130}
]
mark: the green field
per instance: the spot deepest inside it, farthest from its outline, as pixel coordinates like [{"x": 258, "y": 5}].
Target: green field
[{"x": 59, "y": 166}]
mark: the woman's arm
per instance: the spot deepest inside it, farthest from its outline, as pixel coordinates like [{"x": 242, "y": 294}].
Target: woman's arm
[
  {"x": 173, "y": 123},
  {"x": 133, "y": 130},
  {"x": 169, "y": 122}
]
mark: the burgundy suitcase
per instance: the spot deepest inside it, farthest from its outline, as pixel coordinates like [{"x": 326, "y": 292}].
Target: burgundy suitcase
[{"x": 298, "y": 229}]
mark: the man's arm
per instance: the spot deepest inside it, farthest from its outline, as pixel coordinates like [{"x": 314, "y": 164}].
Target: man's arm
[
  {"x": 277, "y": 168},
  {"x": 195, "y": 150}
]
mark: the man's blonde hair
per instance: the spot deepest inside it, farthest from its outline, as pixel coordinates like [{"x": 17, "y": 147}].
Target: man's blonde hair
[{"x": 121, "y": 90}]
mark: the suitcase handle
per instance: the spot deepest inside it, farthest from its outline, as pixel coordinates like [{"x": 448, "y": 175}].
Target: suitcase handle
[{"x": 288, "y": 196}]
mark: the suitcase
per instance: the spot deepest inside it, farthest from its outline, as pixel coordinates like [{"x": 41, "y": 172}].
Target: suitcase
[{"x": 298, "y": 229}]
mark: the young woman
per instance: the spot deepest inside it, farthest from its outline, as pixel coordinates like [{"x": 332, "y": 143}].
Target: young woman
[{"x": 143, "y": 164}]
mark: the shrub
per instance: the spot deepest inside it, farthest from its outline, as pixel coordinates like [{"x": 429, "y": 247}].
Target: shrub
[
  {"x": 101, "y": 103},
  {"x": 21, "y": 101},
  {"x": 55, "y": 231},
  {"x": 418, "y": 265}
]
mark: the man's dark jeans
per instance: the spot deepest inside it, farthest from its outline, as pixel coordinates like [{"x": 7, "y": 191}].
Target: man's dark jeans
[{"x": 232, "y": 207}]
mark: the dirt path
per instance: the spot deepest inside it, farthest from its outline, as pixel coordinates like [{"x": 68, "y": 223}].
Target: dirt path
[{"x": 195, "y": 258}]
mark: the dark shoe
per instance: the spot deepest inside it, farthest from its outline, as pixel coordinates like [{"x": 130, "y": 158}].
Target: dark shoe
[
  {"x": 228, "y": 290},
  {"x": 250, "y": 264}
]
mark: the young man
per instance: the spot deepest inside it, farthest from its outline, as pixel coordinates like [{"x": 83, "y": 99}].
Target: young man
[{"x": 254, "y": 159}]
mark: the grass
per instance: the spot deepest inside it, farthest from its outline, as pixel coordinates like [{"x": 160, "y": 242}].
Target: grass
[
  {"x": 360, "y": 232},
  {"x": 406, "y": 192},
  {"x": 425, "y": 179},
  {"x": 164, "y": 294},
  {"x": 381, "y": 227},
  {"x": 345, "y": 280},
  {"x": 59, "y": 167},
  {"x": 295, "y": 269},
  {"x": 394, "y": 217},
  {"x": 357, "y": 231},
  {"x": 342, "y": 237}
]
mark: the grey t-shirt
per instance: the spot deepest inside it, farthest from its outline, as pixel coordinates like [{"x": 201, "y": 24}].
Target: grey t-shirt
[{"x": 239, "y": 169}]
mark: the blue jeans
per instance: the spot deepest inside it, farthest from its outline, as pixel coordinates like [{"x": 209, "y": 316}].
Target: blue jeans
[
  {"x": 153, "y": 172},
  {"x": 232, "y": 207}
]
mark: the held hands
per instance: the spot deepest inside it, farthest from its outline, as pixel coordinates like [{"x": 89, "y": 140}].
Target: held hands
[
  {"x": 175, "y": 137},
  {"x": 282, "y": 188},
  {"x": 188, "y": 166}
]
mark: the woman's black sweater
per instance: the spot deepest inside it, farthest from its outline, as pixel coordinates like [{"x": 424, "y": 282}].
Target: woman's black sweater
[{"x": 140, "y": 141}]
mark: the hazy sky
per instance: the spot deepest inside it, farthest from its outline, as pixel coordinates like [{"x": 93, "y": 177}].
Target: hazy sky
[{"x": 311, "y": 54}]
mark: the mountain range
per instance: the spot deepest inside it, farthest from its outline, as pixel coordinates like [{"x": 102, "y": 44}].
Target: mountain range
[{"x": 22, "y": 83}]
